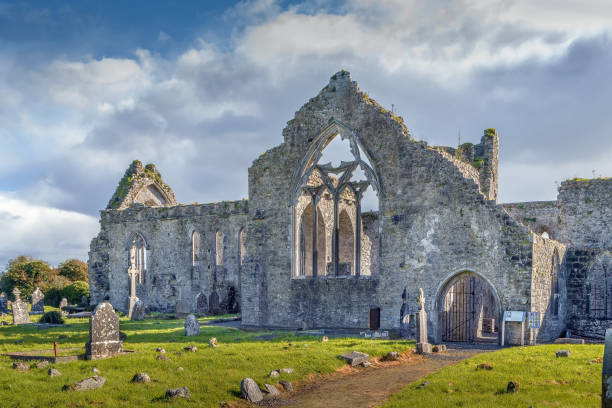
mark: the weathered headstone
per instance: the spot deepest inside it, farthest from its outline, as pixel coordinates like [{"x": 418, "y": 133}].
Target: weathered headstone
[
  {"x": 63, "y": 303},
  {"x": 213, "y": 303},
  {"x": 192, "y": 327},
  {"x": 182, "y": 308},
  {"x": 201, "y": 303},
  {"x": 84, "y": 301},
  {"x": 606, "y": 374},
  {"x": 19, "y": 309},
  {"x": 423, "y": 346},
  {"x": 138, "y": 311},
  {"x": 103, "y": 333},
  {"x": 37, "y": 300},
  {"x": 3, "y": 304}
]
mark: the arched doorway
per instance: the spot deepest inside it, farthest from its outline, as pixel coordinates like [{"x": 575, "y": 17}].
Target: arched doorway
[{"x": 468, "y": 310}]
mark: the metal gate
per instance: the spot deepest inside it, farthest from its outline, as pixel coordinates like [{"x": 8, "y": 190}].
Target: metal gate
[{"x": 459, "y": 315}]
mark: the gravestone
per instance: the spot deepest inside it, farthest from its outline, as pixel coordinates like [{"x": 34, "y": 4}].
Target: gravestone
[
  {"x": 606, "y": 374},
  {"x": 84, "y": 301},
  {"x": 63, "y": 305},
  {"x": 182, "y": 308},
  {"x": 201, "y": 303},
  {"x": 19, "y": 309},
  {"x": 192, "y": 327},
  {"x": 103, "y": 333},
  {"x": 423, "y": 346},
  {"x": 138, "y": 311},
  {"x": 37, "y": 300},
  {"x": 213, "y": 303},
  {"x": 3, "y": 304}
]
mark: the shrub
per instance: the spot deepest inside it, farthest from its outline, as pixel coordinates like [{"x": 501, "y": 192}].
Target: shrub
[
  {"x": 74, "y": 270},
  {"x": 53, "y": 317},
  {"x": 75, "y": 291},
  {"x": 53, "y": 296}
]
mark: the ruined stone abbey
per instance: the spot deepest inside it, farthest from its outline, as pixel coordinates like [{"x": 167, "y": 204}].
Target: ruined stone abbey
[{"x": 346, "y": 220}]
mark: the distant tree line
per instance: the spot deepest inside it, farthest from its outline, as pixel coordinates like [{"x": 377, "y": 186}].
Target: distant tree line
[{"x": 69, "y": 280}]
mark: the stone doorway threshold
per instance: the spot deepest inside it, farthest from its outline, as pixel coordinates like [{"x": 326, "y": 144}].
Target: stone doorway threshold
[{"x": 364, "y": 387}]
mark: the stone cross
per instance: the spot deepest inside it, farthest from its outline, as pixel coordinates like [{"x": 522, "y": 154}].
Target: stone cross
[
  {"x": 19, "y": 309},
  {"x": 423, "y": 346},
  {"x": 103, "y": 333},
  {"x": 133, "y": 273},
  {"x": 37, "y": 299}
]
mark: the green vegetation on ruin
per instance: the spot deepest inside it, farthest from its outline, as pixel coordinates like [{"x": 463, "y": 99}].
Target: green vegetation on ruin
[
  {"x": 212, "y": 375},
  {"x": 133, "y": 173},
  {"x": 544, "y": 380}
]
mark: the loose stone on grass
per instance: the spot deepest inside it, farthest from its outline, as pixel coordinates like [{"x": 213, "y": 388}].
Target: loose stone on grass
[
  {"x": 53, "y": 372},
  {"x": 272, "y": 391},
  {"x": 19, "y": 366},
  {"x": 250, "y": 390},
  {"x": 391, "y": 356},
  {"x": 439, "y": 348},
  {"x": 191, "y": 348},
  {"x": 355, "y": 358},
  {"x": 286, "y": 385},
  {"x": 95, "y": 370},
  {"x": 160, "y": 350},
  {"x": 142, "y": 378},
  {"x": 213, "y": 342},
  {"x": 484, "y": 366},
  {"x": 423, "y": 384},
  {"x": 274, "y": 374},
  {"x": 286, "y": 370},
  {"x": 513, "y": 386},
  {"x": 90, "y": 383},
  {"x": 162, "y": 357},
  {"x": 366, "y": 364},
  {"x": 562, "y": 353},
  {"x": 42, "y": 364},
  {"x": 182, "y": 392}
]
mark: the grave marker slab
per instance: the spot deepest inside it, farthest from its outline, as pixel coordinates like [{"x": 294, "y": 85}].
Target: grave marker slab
[
  {"x": 19, "y": 309},
  {"x": 103, "y": 333},
  {"x": 138, "y": 311},
  {"x": 37, "y": 299},
  {"x": 3, "y": 304},
  {"x": 201, "y": 303}
]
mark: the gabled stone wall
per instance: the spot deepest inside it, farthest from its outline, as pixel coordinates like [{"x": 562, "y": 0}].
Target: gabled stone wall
[{"x": 170, "y": 273}]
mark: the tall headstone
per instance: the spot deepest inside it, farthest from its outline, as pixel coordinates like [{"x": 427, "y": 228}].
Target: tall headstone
[
  {"x": 132, "y": 273},
  {"x": 213, "y": 303},
  {"x": 103, "y": 333},
  {"x": 423, "y": 346},
  {"x": 63, "y": 304},
  {"x": 606, "y": 374},
  {"x": 138, "y": 311},
  {"x": 38, "y": 302},
  {"x": 192, "y": 327},
  {"x": 3, "y": 304},
  {"x": 201, "y": 303},
  {"x": 19, "y": 309}
]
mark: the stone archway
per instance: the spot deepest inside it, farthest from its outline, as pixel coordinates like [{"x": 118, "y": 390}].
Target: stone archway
[{"x": 467, "y": 309}]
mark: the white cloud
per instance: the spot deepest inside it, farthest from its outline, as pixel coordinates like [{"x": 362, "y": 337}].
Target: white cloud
[{"x": 48, "y": 233}]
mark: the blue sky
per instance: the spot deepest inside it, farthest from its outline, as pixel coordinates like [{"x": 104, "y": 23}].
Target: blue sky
[{"x": 202, "y": 88}]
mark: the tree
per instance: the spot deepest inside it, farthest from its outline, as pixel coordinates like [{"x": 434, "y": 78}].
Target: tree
[
  {"x": 74, "y": 270},
  {"x": 25, "y": 273}
]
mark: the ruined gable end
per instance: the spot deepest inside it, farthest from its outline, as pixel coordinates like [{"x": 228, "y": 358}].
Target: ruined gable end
[{"x": 141, "y": 185}]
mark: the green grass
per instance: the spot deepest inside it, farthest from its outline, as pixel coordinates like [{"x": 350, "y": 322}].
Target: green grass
[
  {"x": 545, "y": 381},
  {"x": 212, "y": 375}
]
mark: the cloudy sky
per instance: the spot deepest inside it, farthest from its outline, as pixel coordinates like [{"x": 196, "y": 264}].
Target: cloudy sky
[{"x": 202, "y": 88}]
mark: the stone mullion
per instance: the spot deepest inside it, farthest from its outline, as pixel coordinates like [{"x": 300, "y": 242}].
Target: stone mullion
[
  {"x": 357, "y": 256},
  {"x": 336, "y": 238},
  {"x": 315, "y": 249}
]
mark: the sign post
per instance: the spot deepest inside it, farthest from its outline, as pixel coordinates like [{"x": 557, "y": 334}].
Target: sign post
[
  {"x": 513, "y": 316},
  {"x": 533, "y": 322}
]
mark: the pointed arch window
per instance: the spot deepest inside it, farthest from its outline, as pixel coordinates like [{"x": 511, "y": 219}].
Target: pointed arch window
[
  {"x": 334, "y": 183},
  {"x": 219, "y": 247},
  {"x": 195, "y": 248},
  {"x": 599, "y": 283}
]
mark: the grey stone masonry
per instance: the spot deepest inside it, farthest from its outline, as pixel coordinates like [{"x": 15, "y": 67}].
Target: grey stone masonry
[
  {"x": 3, "y": 304},
  {"x": 19, "y": 309},
  {"x": 38, "y": 302},
  {"x": 606, "y": 373},
  {"x": 103, "y": 333}
]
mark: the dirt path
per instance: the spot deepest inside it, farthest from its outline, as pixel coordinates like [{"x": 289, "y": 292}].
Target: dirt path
[{"x": 366, "y": 387}]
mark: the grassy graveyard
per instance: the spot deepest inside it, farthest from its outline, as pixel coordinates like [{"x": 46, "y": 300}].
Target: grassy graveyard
[
  {"x": 544, "y": 380},
  {"x": 212, "y": 375}
]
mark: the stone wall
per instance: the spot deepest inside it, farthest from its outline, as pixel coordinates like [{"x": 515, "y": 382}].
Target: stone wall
[
  {"x": 548, "y": 287},
  {"x": 433, "y": 224},
  {"x": 171, "y": 273}
]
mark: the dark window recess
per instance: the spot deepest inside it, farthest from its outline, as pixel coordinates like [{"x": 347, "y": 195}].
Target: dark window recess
[{"x": 375, "y": 318}]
